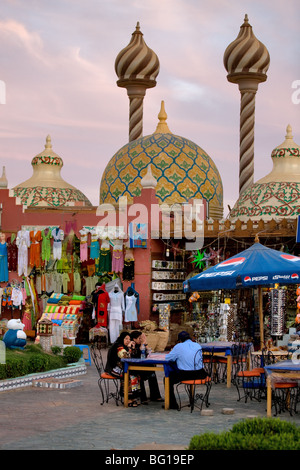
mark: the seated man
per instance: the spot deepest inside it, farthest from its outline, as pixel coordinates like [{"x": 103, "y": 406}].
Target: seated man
[
  {"x": 139, "y": 339},
  {"x": 183, "y": 354}
]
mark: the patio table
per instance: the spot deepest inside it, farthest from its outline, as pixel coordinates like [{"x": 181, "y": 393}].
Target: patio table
[
  {"x": 156, "y": 362},
  {"x": 288, "y": 369}
]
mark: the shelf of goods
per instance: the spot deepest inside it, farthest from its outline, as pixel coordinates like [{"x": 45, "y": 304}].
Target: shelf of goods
[
  {"x": 168, "y": 276},
  {"x": 65, "y": 313}
]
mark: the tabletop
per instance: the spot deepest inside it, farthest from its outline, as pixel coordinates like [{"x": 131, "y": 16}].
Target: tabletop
[
  {"x": 287, "y": 365},
  {"x": 153, "y": 359}
]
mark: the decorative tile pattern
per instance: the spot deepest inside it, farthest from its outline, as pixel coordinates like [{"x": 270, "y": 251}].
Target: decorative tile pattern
[
  {"x": 51, "y": 197},
  {"x": 268, "y": 200},
  {"x": 183, "y": 171}
]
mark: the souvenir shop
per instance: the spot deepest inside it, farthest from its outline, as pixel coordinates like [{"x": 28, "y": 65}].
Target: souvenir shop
[{"x": 76, "y": 282}]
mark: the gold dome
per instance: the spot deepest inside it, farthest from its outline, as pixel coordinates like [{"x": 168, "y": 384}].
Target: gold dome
[{"x": 182, "y": 169}]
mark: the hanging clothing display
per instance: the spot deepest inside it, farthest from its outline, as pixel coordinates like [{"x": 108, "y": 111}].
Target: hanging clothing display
[
  {"x": 83, "y": 244},
  {"x": 35, "y": 248},
  {"x": 105, "y": 257},
  {"x": 116, "y": 309},
  {"x": 46, "y": 244},
  {"x": 100, "y": 299},
  {"x": 12, "y": 253},
  {"x": 95, "y": 247},
  {"x": 58, "y": 236},
  {"x": 23, "y": 243},
  {"x": 131, "y": 305},
  {"x": 3, "y": 260},
  {"x": 117, "y": 257}
]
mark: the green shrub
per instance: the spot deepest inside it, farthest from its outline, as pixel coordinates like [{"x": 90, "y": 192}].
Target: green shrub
[
  {"x": 56, "y": 350},
  {"x": 31, "y": 359},
  {"x": 72, "y": 354},
  {"x": 251, "y": 434}
]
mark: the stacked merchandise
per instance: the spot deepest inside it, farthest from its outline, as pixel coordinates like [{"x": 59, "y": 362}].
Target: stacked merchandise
[{"x": 65, "y": 311}]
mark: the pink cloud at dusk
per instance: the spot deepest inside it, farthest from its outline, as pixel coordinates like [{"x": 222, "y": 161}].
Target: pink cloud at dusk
[{"x": 57, "y": 62}]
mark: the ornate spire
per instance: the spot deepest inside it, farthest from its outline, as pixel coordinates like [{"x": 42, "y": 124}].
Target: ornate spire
[
  {"x": 137, "y": 67},
  {"x": 162, "y": 126},
  {"x": 246, "y": 60},
  {"x": 3, "y": 179}
]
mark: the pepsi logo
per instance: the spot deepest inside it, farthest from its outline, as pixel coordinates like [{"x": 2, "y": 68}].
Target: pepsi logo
[
  {"x": 290, "y": 257},
  {"x": 295, "y": 276},
  {"x": 231, "y": 262},
  {"x": 247, "y": 279}
]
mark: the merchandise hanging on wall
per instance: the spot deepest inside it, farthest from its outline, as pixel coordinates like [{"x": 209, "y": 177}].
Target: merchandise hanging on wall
[{"x": 3, "y": 259}]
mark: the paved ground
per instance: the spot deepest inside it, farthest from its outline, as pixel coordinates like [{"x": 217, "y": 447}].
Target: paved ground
[{"x": 73, "y": 419}]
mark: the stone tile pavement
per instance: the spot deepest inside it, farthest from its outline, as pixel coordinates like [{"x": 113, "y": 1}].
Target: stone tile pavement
[{"x": 73, "y": 419}]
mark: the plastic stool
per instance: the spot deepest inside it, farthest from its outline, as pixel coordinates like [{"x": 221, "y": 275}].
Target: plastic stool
[{"x": 82, "y": 347}]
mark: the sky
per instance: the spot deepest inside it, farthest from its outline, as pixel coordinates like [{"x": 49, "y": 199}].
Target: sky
[{"x": 57, "y": 63}]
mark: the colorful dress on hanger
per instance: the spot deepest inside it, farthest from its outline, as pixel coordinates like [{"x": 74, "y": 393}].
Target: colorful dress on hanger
[
  {"x": 117, "y": 258},
  {"x": 58, "y": 236},
  {"x": 23, "y": 243},
  {"x": 83, "y": 245},
  {"x": 95, "y": 247},
  {"x": 105, "y": 258},
  {"x": 35, "y": 248},
  {"x": 130, "y": 308},
  {"x": 101, "y": 300},
  {"x": 12, "y": 255},
  {"x": 3, "y": 263},
  {"x": 46, "y": 245}
]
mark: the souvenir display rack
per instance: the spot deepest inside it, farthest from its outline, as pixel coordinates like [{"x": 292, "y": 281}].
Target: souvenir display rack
[{"x": 277, "y": 304}]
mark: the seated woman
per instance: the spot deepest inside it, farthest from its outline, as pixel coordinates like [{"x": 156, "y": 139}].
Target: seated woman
[
  {"x": 114, "y": 366},
  {"x": 139, "y": 339}
]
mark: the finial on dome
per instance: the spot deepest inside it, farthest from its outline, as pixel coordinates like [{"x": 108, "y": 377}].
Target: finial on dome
[
  {"x": 3, "y": 179},
  {"x": 289, "y": 134},
  {"x": 137, "y": 28},
  {"x": 48, "y": 144},
  {"x": 148, "y": 181},
  {"x": 162, "y": 126},
  {"x": 246, "y": 19}
]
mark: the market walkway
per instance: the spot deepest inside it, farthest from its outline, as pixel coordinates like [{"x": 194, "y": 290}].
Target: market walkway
[{"x": 73, "y": 419}]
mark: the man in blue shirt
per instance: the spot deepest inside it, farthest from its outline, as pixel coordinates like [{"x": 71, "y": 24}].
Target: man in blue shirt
[{"x": 183, "y": 355}]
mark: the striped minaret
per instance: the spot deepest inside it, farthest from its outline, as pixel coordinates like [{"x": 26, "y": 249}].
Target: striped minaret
[
  {"x": 137, "y": 67},
  {"x": 246, "y": 60}
]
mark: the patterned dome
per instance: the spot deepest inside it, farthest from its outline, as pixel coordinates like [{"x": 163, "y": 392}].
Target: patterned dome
[
  {"x": 278, "y": 193},
  {"x": 182, "y": 169},
  {"x": 46, "y": 187}
]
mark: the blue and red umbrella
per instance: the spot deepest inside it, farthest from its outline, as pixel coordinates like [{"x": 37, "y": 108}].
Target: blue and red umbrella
[{"x": 256, "y": 266}]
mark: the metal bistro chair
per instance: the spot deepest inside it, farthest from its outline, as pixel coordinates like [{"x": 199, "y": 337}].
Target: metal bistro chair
[
  {"x": 105, "y": 379},
  {"x": 251, "y": 382},
  {"x": 190, "y": 385},
  {"x": 239, "y": 359},
  {"x": 285, "y": 393}
]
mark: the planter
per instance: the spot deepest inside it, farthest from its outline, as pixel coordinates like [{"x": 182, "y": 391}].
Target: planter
[{"x": 78, "y": 368}]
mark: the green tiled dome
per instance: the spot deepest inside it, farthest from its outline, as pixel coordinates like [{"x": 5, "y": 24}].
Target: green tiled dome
[{"x": 182, "y": 169}]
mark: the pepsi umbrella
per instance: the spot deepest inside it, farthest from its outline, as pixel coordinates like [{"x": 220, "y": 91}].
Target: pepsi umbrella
[{"x": 254, "y": 267}]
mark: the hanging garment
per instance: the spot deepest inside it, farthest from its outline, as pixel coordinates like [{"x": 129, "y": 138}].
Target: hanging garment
[
  {"x": 17, "y": 297},
  {"x": 3, "y": 263},
  {"x": 35, "y": 248},
  {"x": 95, "y": 247},
  {"x": 65, "y": 280},
  {"x": 12, "y": 254},
  {"x": 101, "y": 300},
  {"x": 130, "y": 308},
  {"x": 23, "y": 243},
  {"x": 116, "y": 309},
  {"x": 118, "y": 257},
  {"x": 128, "y": 270},
  {"x": 83, "y": 244},
  {"x": 58, "y": 236},
  {"x": 46, "y": 244},
  {"x": 105, "y": 260},
  {"x": 77, "y": 282},
  {"x": 6, "y": 297}
]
